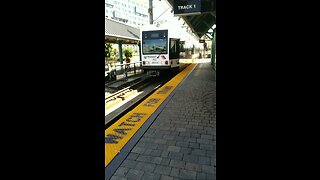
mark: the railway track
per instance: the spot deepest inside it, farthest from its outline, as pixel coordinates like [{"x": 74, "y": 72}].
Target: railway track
[
  {"x": 117, "y": 99},
  {"x": 126, "y": 92},
  {"x": 127, "y": 98}
]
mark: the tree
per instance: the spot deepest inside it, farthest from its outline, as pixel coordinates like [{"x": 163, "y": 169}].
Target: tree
[
  {"x": 108, "y": 49},
  {"x": 114, "y": 52},
  {"x": 127, "y": 52}
]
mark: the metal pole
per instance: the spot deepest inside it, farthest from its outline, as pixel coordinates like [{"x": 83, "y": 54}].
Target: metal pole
[
  {"x": 213, "y": 55},
  {"x": 212, "y": 51},
  {"x": 215, "y": 51},
  {"x": 126, "y": 70},
  {"x": 120, "y": 52},
  {"x": 140, "y": 55},
  {"x": 150, "y": 12}
]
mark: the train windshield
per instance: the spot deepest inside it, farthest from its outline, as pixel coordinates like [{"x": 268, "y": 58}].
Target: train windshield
[{"x": 155, "y": 42}]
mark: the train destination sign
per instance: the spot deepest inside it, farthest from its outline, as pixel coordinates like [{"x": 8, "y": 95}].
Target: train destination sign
[{"x": 189, "y": 7}]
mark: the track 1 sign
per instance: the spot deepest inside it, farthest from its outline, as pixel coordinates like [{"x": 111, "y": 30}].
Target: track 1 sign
[{"x": 189, "y": 7}]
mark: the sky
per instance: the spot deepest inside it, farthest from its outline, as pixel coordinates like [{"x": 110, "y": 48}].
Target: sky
[{"x": 162, "y": 6}]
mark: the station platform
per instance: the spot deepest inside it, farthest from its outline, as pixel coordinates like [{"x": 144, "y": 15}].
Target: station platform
[{"x": 177, "y": 140}]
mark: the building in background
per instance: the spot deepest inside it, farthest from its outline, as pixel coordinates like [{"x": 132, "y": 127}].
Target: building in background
[{"x": 131, "y": 12}]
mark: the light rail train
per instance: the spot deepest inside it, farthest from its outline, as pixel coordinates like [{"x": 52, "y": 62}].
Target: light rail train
[{"x": 160, "y": 49}]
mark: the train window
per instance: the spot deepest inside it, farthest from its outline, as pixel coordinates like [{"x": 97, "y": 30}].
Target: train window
[
  {"x": 182, "y": 48},
  {"x": 174, "y": 49},
  {"x": 174, "y": 43},
  {"x": 154, "y": 42},
  {"x": 151, "y": 46}
]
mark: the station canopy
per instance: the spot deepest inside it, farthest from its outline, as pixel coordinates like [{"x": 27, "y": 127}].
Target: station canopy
[{"x": 116, "y": 31}]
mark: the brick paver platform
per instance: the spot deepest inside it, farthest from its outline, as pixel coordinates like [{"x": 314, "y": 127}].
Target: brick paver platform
[{"x": 181, "y": 143}]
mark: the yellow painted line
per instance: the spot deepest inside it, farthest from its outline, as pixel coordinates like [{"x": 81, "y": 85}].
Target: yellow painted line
[{"x": 118, "y": 134}]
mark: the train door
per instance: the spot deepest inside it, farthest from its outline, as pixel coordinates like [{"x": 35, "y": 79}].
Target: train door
[{"x": 174, "y": 51}]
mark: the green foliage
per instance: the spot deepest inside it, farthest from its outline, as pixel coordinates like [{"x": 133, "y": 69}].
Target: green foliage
[
  {"x": 127, "y": 52},
  {"x": 108, "y": 49},
  {"x": 114, "y": 52}
]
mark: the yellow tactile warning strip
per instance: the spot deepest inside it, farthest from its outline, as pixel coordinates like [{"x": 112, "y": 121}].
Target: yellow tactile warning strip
[{"x": 118, "y": 134}]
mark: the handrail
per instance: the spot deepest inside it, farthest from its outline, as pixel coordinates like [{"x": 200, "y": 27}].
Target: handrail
[{"x": 126, "y": 69}]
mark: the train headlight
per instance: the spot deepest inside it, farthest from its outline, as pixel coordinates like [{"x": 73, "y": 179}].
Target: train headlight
[
  {"x": 166, "y": 62},
  {"x": 143, "y": 62}
]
